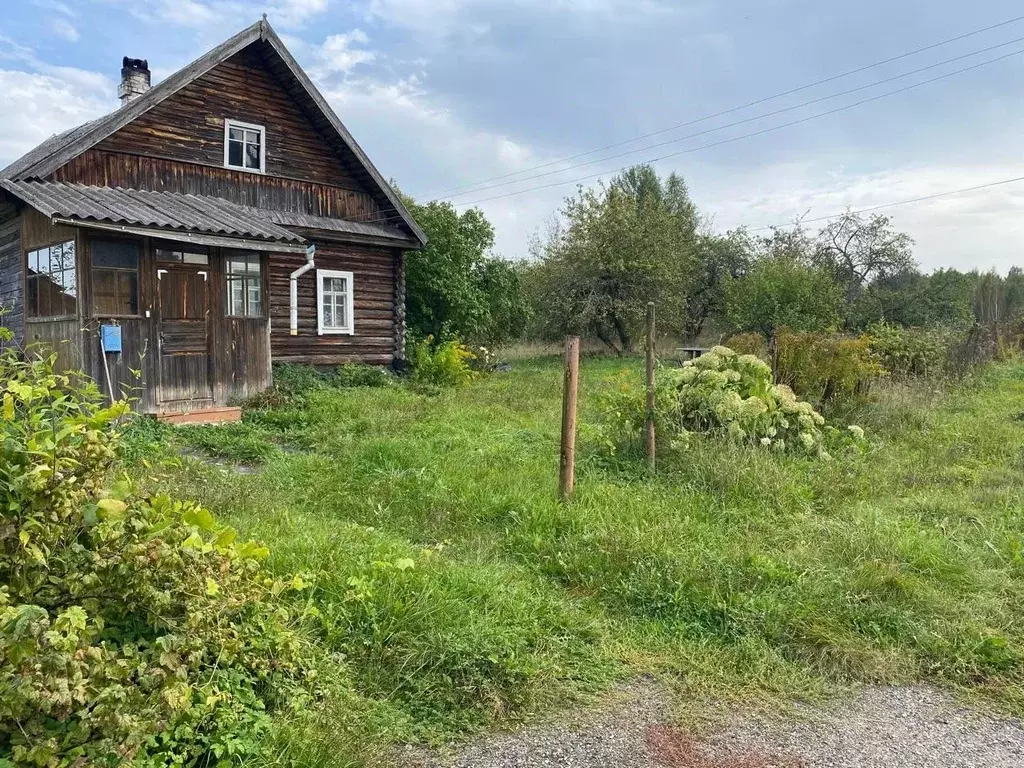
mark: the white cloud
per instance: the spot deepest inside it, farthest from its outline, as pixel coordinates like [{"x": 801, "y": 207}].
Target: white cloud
[
  {"x": 65, "y": 29},
  {"x": 982, "y": 229},
  {"x": 204, "y": 15},
  {"x": 37, "y": 105},
  {"x": 337, "y": 53}
]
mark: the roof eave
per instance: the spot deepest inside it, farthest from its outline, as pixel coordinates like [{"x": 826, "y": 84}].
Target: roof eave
[{"x": 314, "y": 93}]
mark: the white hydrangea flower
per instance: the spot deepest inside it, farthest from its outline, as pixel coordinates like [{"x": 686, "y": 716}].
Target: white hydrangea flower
[{"x": 856, "y": 432}]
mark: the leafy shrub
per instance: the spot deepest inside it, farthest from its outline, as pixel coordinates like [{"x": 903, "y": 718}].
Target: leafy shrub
[
  {"x": 748, "y": 344},
  {"x": 444, "y": 364},
  {"x": 725, "y": 394},
  {"x": 825, "y": 367},
  {"x": 906, "y": 352},
  {"x": 133, "y": 629}
]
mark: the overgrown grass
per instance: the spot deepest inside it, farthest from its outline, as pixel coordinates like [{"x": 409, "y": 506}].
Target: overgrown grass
[{"x": 456, "y": 591}]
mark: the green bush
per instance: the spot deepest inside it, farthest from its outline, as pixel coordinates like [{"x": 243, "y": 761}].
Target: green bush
[
  {"x": 444, "y": 364},
  {"x": 910, "y": 352},
  {"x": 825, "y": 367},
  {"x": 725, "y": 394},
  {"x": 133, "y": 629}
]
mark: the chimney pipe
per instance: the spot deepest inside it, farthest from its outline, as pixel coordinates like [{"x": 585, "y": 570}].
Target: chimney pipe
[{"x": 135, "y": 80}]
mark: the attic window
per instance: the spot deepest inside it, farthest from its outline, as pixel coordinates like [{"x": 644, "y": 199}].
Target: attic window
[{"x": 245, "y": 146}]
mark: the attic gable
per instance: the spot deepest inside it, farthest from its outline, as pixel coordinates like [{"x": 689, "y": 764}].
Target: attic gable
[
  {"x": 54, "y": 153},
  {"x": 189, "y": 125}
]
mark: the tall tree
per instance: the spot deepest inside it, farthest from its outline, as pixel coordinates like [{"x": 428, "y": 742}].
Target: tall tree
[
  {"x": 620, "y": 246},
  {"x": 454, "y": 286},
  {"x": 784, "y": 288},
  {"x": 860, "y": 251}
]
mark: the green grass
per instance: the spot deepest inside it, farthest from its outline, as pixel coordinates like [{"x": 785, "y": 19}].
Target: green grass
[{"x": 455, "y": 592}]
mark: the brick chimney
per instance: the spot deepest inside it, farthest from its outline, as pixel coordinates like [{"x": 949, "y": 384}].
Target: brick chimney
[{"x": 135, "y": 80}]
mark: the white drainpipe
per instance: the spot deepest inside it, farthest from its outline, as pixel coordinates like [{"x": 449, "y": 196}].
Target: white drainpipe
[{"x": 293, "y": 279}]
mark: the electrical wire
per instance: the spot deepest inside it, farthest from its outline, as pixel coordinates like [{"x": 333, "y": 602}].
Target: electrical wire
[
  {"x": 873, "y": 208},
  {"x": 744, "y": 121},
  {"x": 754, "y": 103},
  {"x": 753, "y": 134}
]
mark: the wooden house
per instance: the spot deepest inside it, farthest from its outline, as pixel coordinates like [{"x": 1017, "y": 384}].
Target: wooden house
[{"x": 215, "y": 223}]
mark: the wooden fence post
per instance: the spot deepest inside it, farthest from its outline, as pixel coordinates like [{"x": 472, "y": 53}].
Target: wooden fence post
[
  {"x": 567, "y": 465},
  {"x": 649, "y": 422}
]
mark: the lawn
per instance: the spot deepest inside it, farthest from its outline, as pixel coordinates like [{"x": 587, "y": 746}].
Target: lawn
[{"x": 454, "y": 592}]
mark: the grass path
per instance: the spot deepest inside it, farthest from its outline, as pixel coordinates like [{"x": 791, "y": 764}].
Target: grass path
[{"x": 458, "y": 593}]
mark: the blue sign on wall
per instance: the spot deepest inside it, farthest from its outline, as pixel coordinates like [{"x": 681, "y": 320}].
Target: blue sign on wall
[{"x": 110, "y": 335}]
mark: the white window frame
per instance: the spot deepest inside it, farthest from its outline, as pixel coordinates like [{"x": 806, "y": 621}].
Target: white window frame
[
  {"x": 349, "y": 303},
  {"x": 228, "y": 125}
]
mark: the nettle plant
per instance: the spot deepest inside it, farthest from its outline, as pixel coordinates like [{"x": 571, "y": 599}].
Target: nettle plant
[
  {"x": 726, "y": 394},
  {"x": 133, "y": 630}
]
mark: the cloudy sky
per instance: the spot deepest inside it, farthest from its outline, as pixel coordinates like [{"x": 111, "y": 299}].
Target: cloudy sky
[{"x": 447, "y": 95}]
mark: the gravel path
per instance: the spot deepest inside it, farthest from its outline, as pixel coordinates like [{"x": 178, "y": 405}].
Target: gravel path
[{"x": 908, "y": 727}]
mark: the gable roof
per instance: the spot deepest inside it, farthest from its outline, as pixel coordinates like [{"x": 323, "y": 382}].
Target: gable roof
[{"x": 58, "y": 150}]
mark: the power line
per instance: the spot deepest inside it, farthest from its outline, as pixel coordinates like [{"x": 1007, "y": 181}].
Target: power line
[
  {"x": 753, "y": 134},
  {"x": 897, "y": 203},
  {"x": 731, "y": 110},
  {"x": 746, "y": 120}
]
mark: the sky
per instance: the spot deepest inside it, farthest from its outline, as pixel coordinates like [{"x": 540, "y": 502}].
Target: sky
[{"x": 449, "y": 96}]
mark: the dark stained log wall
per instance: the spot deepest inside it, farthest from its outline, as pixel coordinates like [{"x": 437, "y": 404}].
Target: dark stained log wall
[
  {"x": 189, "y": 125},
  {"x": 100, "y": 168},
  {"x": 374, "y": 304},
  {"x": 12, "y": 274}
]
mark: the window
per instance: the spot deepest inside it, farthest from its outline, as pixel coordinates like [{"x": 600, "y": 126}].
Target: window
[
  {"x": 334, "y": 302},
  {"x": 115, "y": 277},
  {"x": 244, "y": 146},
  {"x": 245, "y": 291},
  {"x": 193, "y": 256},
  {"x": 51, "y": 281}
]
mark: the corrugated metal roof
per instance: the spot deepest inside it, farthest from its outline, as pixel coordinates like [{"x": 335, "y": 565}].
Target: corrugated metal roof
[
  {"x": 327, "y": 224},
  {"x": 163, "y": 210}
]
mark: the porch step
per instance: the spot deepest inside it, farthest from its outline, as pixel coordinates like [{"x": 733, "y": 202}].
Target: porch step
[{"x": 202, "y": 416}]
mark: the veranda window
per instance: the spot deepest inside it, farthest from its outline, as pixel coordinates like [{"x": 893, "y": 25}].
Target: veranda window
[
  {"x": 52, "y": 281},
  {"x": 245, "y": 289},
  {"x": 115, "y": 277}
]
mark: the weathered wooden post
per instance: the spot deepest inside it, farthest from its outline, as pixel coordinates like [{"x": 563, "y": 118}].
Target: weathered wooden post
[
  {"x": 567, "y": 467},
  {"x": 649, "y": 422}
]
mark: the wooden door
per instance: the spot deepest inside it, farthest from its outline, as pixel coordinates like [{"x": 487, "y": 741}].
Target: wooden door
[{"x": 183, "y": 318}]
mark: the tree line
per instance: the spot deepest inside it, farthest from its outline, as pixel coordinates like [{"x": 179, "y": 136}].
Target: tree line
[{"x": 641, "y": 238}]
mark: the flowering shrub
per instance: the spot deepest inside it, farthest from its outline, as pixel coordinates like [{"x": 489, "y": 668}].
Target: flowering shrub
[
  {"x": 133, "y": 629},
  {"x": 443, "y": 364},
  {"x": 730, "y": 395}
]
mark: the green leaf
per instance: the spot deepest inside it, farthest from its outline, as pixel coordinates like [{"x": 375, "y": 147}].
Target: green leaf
[
  {"x": 405, "y": 563},
  {"x": 111, "y": 508},
  {"x": 253, "y": 550},
  {"x": 201, "y": 518},
  {"x": 226, "y": 538},
  {"x": 211, "y": 587}
]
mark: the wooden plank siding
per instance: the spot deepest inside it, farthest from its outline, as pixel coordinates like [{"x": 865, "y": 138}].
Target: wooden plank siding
[
  {"x": 374, "y": 280},
  {"x": 189, "y": 125},
  {"x": 12, "y": 273},
  {"x": 101, "y": 168}
]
